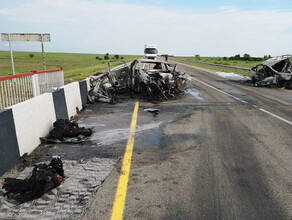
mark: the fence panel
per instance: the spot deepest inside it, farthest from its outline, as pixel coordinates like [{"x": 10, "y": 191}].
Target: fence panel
[
  {"x": 49, "y": 80},
  {"x": 18, "y": 88},
  {"x": 15, "y": 89}
]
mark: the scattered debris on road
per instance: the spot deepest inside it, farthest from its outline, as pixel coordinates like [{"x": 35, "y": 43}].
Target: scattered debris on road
[
  {"x": 69, "y": 200},
  {"x": 152, "y": 110},
  {"x": 275, "y": 71},
  {"x": 65, "y": 131},
  {"x": 43, "y": 179},
  {"x": 151, "y": 78}
]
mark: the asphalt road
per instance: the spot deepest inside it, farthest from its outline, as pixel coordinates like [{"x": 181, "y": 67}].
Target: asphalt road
[{"x": 221, "y": 151}]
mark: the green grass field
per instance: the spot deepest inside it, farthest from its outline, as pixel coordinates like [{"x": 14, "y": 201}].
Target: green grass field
[
  {"x": 221, "y": 61},
  {"x": 76, "y": 66}
]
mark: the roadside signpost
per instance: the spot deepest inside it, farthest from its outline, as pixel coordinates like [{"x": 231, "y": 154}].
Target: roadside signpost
[{"x": 26, "y": 37}]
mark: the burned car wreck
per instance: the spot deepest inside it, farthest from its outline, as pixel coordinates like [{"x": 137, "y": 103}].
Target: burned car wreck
[
  {"x": 150, "y": 78},
  {"x": 275, "y": 71}
]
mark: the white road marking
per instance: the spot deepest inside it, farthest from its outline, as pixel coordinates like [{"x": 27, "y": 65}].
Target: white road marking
[
  {"x": 276, "y": 116},
  {"x": 219, "y": 90},
  {"x": 236, "y": 98}
]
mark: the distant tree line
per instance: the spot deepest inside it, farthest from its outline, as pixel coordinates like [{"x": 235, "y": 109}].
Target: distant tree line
[
  {"x": 107, "y": 57},
  {"x": 247, "y": 57}
]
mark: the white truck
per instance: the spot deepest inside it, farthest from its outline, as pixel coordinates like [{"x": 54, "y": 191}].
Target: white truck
[{"x": 150, "y": 51}]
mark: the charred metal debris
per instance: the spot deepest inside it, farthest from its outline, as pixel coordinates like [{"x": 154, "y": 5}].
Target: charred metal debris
[
  {"x": 275, "y": 71},
  {"x": 65, "y": 128},
  {"x": 43, "y": 179},
  {"x": 151, "y": 78},
  {"x": 65, "y": 131}
]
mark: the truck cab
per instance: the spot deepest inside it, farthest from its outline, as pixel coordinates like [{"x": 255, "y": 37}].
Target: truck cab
[{"x": 150, "y": 51}]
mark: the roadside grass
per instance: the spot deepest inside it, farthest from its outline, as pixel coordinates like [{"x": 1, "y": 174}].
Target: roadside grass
[
  {"x": 221, "y": 61},
  {"x": 76, "y": 66},
  {"x": 217, "y": 69},
  {"x": 33, "y": 157}
]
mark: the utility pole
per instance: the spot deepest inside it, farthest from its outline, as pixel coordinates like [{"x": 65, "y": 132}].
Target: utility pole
[
  {"x": 43, "y": 53},
  {"x": 11, "y": 54}
]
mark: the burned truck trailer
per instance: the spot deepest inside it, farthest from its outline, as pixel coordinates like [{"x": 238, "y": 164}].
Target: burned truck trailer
[
  {"x": 150, "y": 78},
  {"x": 275, "y": 71}
]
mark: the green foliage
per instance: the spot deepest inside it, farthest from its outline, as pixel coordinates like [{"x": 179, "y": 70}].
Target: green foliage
[
  {"x": 267, "y": 57},
  {"x": 31, "y": 55},
  {"x": 32, "y": 158},
  {"x": 246, "y": 57},
  {"x": 98, "y": 58},
  {"x": 106, "y": 57},
  {"x": 117, "y": 57}
]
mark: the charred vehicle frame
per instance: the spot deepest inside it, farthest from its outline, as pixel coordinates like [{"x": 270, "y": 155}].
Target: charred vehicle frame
[
  {"x": 275, "y": 71},
  {"x": 151, "y": 78}
]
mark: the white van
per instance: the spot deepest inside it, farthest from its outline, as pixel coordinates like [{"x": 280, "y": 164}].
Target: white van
[{"x": 150, "y": 51}]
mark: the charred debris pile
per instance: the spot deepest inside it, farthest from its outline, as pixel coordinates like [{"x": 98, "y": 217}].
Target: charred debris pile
[
  {"x": 64, "y": 128},
  {"x": 153, "y": 79},
  {"x": 65, "y": 131},
  {"x": 276, "y": 71},
  {"x": 44, "y": 177}
]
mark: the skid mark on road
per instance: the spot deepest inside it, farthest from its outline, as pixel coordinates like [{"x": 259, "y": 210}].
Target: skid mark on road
[
  {"x": 119, "y": 202},
  {"x": 238, "y": 99}
]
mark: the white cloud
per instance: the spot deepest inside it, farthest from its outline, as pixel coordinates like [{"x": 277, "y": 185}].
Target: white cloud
[
  {"x": 228, "y": 9},
  {"x": 116, "y": 27}
]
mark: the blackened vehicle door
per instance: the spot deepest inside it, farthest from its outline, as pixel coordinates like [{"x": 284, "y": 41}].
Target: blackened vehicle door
[
  {"x": 260, "y": 70},
  {"x": 120, "y": 76}
]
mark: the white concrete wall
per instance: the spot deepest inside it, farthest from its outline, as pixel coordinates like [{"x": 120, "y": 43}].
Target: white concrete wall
[
  {"x": 33, "y": 119},
  {"x": 73, "y": 98},
  {"x": 88, "y": 83}
]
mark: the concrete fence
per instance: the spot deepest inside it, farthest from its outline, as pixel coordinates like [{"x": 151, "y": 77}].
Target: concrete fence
[{"x": 22, "y": 125}]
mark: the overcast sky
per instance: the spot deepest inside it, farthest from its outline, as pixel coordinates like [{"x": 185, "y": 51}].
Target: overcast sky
[{"x": 208, "y": 28}]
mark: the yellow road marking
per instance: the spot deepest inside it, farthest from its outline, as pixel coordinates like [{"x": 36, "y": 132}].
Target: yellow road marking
[
  {"x": 118, "y": 207},
  {"x": 286, "y": 90}
]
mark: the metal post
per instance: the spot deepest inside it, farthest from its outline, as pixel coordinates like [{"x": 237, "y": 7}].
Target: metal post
[
  {"x": 35, "y": 85},
  {"x": 62, "y": 78},
  {"x": 43, "y": 53},
  {"x": 11, "y": 55}
]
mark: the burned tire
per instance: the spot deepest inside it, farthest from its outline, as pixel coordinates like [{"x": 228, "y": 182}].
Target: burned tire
[{"x": 288, "y": 85}]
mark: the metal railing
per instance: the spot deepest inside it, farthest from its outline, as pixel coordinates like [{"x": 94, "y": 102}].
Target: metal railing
[{"x": 18, "y": 88}]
